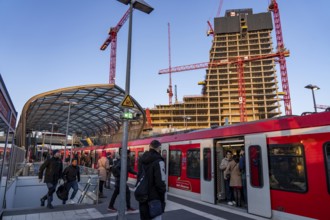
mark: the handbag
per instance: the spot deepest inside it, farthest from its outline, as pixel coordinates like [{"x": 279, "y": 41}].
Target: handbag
[
  {"x": 62, "y": 193},
  {"x": 155, "y": 208}
]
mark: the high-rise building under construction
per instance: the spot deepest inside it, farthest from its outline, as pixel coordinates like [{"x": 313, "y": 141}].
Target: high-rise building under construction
[{"x": 240, "y": 34}]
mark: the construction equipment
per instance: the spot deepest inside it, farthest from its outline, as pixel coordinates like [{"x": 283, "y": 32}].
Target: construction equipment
[
  {"x": 211, "y": 30},
  {"x": 169, "y": 90},
  {"x": 238, "y": 61},
  {"x": 280, "y": 47},
  {"x": 113, "y": 40}
]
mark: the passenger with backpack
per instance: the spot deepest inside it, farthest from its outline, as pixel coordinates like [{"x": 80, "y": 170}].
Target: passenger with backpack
[
  {"x": 151, "y": 176},
  {"x": 116, "y": 174}
]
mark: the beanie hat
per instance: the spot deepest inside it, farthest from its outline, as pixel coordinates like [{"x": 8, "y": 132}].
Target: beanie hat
[
  {"x": 155, "y": 144},
  {"x": 55, "y": 151}
]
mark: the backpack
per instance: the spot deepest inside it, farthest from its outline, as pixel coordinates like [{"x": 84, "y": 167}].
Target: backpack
[
  {"x": 62, "y": 193},
  {"x": 116, "y": 168},
  {"x": 141, "y": 192}
]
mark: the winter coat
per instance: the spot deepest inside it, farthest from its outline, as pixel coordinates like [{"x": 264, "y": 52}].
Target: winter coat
[
  {"x": 117, "y": 166},
  {"x": 54, "y": 168},
  {"x": 154, "y": 166},
  {"x": 224, "y": 163},
  {"x": 235, "y": 174},
  {"x": 71, "y": 173},
  {"x": 103, "y": 166}
]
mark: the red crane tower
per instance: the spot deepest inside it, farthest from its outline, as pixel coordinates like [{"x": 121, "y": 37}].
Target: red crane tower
[
  {"x": 238, "y": 61},
  {"x": 280, "y": 47},
  {"x": 113, "y": 40},
  {"x": 169, "y": 90}
]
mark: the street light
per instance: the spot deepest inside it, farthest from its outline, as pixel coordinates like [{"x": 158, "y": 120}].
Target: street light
[
  {"x": 185, "y": 118},
  {"x": 67, "y": 125},
  {"x": 144, "y": 7},
  {"x": 313, "y": 87},
  {"x": 51, "y": 134}
]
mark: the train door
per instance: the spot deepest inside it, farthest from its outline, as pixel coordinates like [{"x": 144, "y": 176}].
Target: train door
[
  {"x": 207, "y": 171},
  {"x": 257, "y": 177},
  {"x": 165, "y": 155}
]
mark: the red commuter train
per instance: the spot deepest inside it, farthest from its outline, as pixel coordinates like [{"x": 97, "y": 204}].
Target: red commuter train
[{"x": 287, "y": 164}]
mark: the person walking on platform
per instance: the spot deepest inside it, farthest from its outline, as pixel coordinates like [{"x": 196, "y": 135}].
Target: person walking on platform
[
  {"x": 154, "y": 168},
  {"x": 116, "y": 174},
  {"x": 71, "y": 175},
  {"x": 102, "y": 166},
  {"x": 54, "y": 168},
  {"x": 107, "y": 184}
]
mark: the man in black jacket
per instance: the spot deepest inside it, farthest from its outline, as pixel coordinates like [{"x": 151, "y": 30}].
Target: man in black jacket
[
  {"x": 117, "y": 184},
  {"x": 154, "y": 166},
  {"x": 70, "y": 176},
  {"x": 54, "y": 168}
]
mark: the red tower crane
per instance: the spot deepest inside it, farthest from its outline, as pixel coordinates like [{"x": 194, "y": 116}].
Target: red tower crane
[
  {"x": 211, "y": 30},
  {"x": 280, "y": 47},
  {"x": 113, "y": 40},
  {"x": 169, "y": 90},
  {"x": 238, "y": 61}
]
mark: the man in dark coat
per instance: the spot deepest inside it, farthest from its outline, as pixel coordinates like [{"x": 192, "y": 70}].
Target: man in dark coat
[
  {"x": 117, "y": 185},
  {"x": 54, "y": 168},
  {"x": 71, "y": 175},
  {"x": 154, "y": 166}
]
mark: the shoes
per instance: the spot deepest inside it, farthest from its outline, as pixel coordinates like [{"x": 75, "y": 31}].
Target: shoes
[
  {"x": 112, "y": 209},
  {"x": 230, "y": 203},
  {"x": 50, "y": 206},
  {"x": 71, "y": 201},
  {"x": 101, "y": 195},
  {"x": 42, "y": 202},
  {"x": 131, "y": 210}
]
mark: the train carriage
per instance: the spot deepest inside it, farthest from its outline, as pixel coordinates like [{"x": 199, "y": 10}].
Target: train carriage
[{"x": 287, "y": 164}]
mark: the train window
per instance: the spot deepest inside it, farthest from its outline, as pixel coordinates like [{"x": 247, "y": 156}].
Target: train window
[
  {"x": 164, "y": 155},
  {"x": 132, "y": 159},
  {"x": 207, "y": 164},
  {"x": 256, "y": 166},
  {"x": 327, "y": 160},
  {"x": 175, "y": 163},
  {"x": 287, "y": 170},
  {"x": 193, "y": 164}
]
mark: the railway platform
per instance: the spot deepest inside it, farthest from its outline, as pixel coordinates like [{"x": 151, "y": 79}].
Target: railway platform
[{"x": 177, "y": 208}]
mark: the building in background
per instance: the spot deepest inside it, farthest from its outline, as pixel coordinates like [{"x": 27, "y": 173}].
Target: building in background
[{"x": 239, "y": 34}]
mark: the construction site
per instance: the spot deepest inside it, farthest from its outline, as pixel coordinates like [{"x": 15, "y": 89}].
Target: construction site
[{"x": 241, "y": 82}]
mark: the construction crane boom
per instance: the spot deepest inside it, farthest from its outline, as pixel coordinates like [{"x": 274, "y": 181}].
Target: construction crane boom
[
  {"x": 239, "y": 62},
  {"x": 211, "y": 30},
  {"x": 280, "y": 46},
  {"x": 234, "y": 60},
  {"x": 112, "y": 39}
]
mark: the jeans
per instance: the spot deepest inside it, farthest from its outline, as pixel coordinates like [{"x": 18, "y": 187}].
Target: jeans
[
  {"x": 116, "y": 193},
  {"x": 229, "y": 192},
  {"x": 49, "y": 196},
  {"x": 74, "y": 186}
]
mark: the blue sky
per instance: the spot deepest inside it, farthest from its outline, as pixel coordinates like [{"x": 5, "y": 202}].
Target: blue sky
[{"x": 48, "y": 44}]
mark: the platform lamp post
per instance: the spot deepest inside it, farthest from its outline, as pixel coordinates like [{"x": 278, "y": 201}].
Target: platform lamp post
[
  {"x": 313, "y": 87},
  {"x": 144, "y": 7},
  {"x": 51, "y": 134},
  {"x": 67, "y": 125},
  {"x": 185, "y": 118}
]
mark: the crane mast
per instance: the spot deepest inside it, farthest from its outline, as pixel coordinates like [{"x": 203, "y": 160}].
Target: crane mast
[
  {"x": 169, "y": 90},
  {"x": 280, "y": 47},
  {"x": 112, "y": 39}
]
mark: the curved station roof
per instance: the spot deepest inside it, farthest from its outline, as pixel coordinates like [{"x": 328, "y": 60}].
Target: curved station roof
[{"x": 89, "y": 110}]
